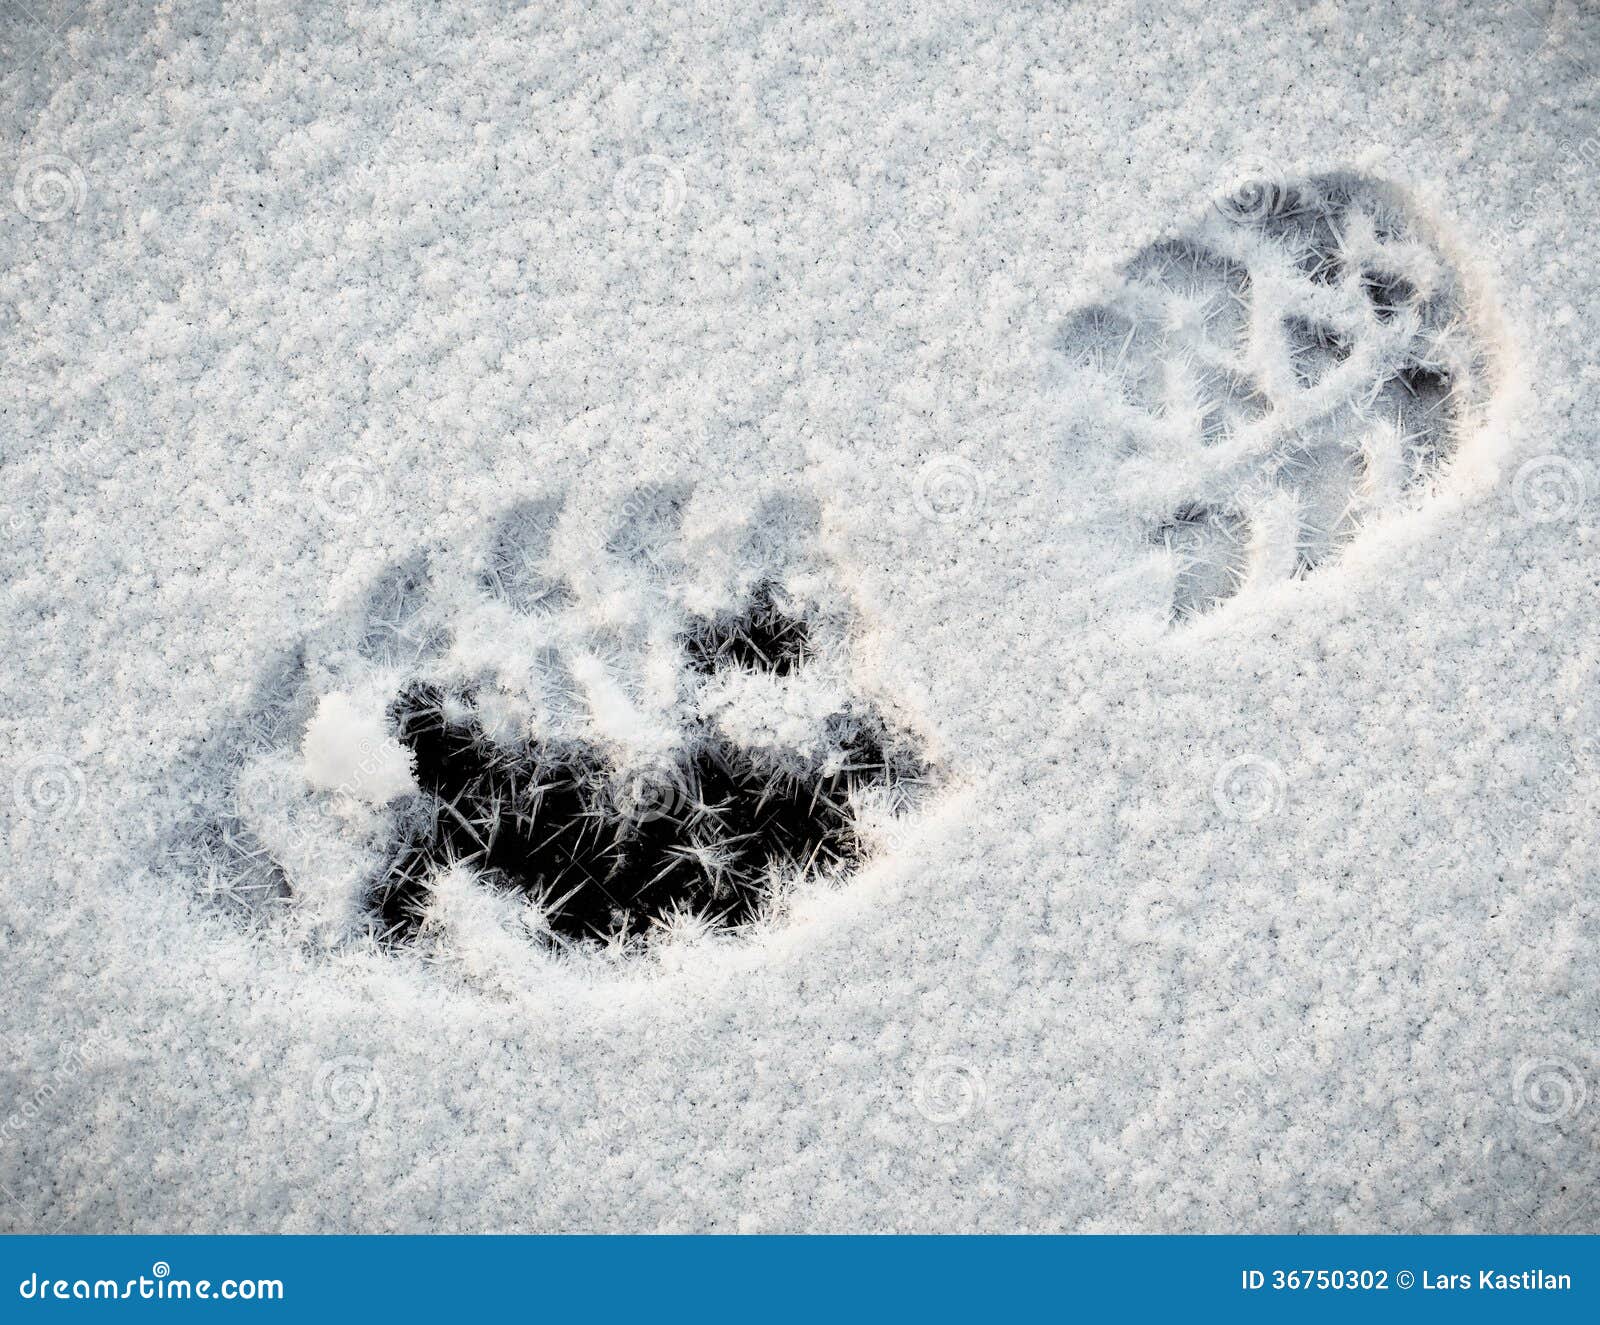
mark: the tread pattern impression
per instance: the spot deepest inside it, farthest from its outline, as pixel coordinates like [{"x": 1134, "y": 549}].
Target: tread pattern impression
[
  {"x": 1296, "y": 362},
  {"x": 583, "y": 735}
]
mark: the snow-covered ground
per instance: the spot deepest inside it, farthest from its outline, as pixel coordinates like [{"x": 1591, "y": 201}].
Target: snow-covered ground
[{"x": 1176, "y": 424}]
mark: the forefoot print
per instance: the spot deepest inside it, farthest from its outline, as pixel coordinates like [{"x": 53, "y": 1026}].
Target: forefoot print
[{"x": 1257, "y": 389}]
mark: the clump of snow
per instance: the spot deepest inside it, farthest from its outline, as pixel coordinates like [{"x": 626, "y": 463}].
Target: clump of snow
[{"x": 351, "y": 752}]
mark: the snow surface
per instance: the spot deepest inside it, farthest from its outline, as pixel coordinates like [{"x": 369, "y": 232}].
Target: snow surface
[{"x": 1278, "y": 917}]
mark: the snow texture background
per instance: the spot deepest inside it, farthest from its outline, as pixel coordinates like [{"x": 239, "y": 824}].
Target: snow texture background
[{"x": 1282, "y": 919}]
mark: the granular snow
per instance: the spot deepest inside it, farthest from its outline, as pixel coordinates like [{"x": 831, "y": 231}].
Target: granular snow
[{"x": 1249, "y": 899}]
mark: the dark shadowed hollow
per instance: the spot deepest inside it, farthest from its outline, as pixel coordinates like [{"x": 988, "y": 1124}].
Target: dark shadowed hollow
[
  {"x": 764, "y": 637},
  {"x": 605, "y": 858}
]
